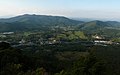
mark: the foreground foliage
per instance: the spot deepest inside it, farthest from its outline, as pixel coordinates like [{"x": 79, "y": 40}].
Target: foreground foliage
[{"x": 47, "y": 62}]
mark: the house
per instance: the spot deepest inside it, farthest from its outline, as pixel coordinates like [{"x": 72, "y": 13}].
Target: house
[
  {"x": 8, "y": 33},
  {"x": 2, "y": 36},
  {"x": 102, "y": 41},
  {"x": 22, "y": 41},
  {"x": 97, "y": 37}
]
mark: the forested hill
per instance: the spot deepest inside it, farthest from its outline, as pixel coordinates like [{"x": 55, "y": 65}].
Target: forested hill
[
  {"x": 107, "y": 28},
  {"x": 43, "y": 22},
  {"x": 30, "y": 22}
]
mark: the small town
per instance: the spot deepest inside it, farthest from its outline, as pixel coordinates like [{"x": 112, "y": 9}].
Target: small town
[{"x": 37, "y": 39}]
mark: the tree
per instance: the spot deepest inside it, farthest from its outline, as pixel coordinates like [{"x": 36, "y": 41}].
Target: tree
[
  {"x": 89, "y": 65},
  {"x": 62, "y": 73},
  {"x": 80, "y": 34},
  {"x": 11, "y": 69}
]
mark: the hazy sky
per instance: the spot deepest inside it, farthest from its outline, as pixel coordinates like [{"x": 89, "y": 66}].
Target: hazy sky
[{"x": 70, "y": 8}]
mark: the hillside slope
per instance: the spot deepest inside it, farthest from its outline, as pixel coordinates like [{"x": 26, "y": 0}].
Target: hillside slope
[{"x": 34, "y": 22}]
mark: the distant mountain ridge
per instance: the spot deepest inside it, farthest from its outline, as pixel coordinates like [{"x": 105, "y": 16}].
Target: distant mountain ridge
[
  {"x": 30, "y": 22},
  {"x": 33, "y": 18},
  {"x": 39, "y": 22},
  {"x": 114, "y": 23},
  {"x": 94, "y": 24},
  {"x": 103, "y": 28}
]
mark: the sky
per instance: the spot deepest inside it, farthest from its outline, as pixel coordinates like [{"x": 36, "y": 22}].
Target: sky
[{"x": 99, "y": 9}]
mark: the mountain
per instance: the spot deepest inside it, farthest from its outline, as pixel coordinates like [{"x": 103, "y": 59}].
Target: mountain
[
  {"x": 84, "y": 19},
  {"x": 43, "y": 22},
  {"x": 108, "y": 28},
  {"x": 94, "y": 25},
  {"x": 33, "y": 22},
  {"x": 114, "y": 23}
]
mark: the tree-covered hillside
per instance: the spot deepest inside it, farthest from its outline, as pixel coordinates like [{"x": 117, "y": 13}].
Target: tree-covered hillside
[{"x": 35, "y": 22}]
